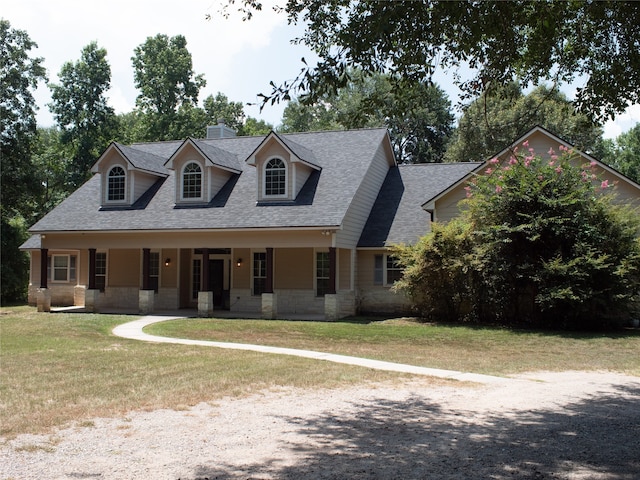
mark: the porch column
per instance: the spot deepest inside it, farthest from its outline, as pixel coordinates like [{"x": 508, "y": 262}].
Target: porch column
[
  {"x": 269, "y": 280},
  {"x": 91, "y": 294},
  {"x": 44, "y": 263},
  {"x": 205, "y": 295},
  {"x": 146, "y": 268},
  {"x": 92, "y": 269},
  {"x": 146, "y": 296},
  {"x": 332, "y": 270},
  {"x": 43, "y": 296},
  {"x": 269, "y": 299}
]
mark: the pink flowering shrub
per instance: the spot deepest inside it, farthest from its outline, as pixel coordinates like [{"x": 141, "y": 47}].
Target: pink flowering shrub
[{"x": 539, "y": 242}]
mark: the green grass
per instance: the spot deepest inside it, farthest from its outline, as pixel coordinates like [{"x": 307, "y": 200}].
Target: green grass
[
  {"x": 56, "y": 369},
  {"x": 62, "y": 368},
  {"x": 488, "y": 350}
]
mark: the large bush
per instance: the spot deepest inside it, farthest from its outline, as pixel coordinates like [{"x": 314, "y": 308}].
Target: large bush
[{"x": 539, "y": 242}]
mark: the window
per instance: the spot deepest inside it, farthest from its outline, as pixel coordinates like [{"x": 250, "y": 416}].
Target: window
[
  {"x": 386, "y": 270},
  {"x": 101, "y": 270},
  {"x": 322, "y": 273},
  {"x": 154, "y": 270},
  {"x": 196, "y": 278},
  {"x": 192, "y": 181},
  {"x": 115, "y": 184},
  {"x": 61, "y": 268},
  {"x": 259, "y": 273},
  {"x": 275, "y": 177}
]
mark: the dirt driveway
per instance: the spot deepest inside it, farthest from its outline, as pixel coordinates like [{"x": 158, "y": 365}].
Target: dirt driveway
[{"x": 569, "y": 425}]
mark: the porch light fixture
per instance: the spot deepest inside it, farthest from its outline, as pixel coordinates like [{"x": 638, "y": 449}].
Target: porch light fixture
[
  {"x": 239, "y": 262},
  {"x": 326, "y": 232},
  {"x": 167, "y": 262}
]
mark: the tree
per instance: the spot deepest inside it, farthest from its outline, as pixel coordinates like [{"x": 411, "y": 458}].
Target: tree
[
  {"x": 19, "y": 76},
  {"x": 540, "y": 242},
  {"x": 253, "y": 126},
  {"x": 220, "y": 108},
  {"x": 417, "y": 115},
  {"x": 491, "y": 122},
  {"x": 624, "y": 154},
  {"x": 169, "y": 89},
  {"x": 79, "y": 105},
  {"x": 499, "y": 42}
]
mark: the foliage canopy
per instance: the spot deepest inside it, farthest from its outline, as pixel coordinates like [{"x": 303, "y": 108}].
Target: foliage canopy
[
  {"x": 499, "y": 42},
  {"x": 539, "y": 242}
]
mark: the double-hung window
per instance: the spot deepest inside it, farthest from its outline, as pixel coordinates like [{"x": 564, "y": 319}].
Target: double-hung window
[
  {"x": 322, "y": 273},
  {"x": 192, "y": 181},
  {"x": 116, "y": 181},
  {"x": 275, "y": 178},
  {"x": 62, "y": 268},
  {"x": 154, "y": 270},
  {"x": 386, "y": 270},
  {"x": 259, "y": 273},
  {"x": 101, "y": 270}
]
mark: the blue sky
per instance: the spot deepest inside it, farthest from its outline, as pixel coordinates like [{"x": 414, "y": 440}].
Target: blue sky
[{"x": 237, "y": 58}]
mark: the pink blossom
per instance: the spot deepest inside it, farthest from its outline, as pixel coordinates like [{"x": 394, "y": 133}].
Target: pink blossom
[
  {"x": 540, "y": 177},
  {"x": 531, "y": 150},
  {"x": 593, "y": 164},
  {"x": 525, "y": 143},
  {"x": 468, "y": 190},
  {"x": 489, "y": 171},
  {"x": 604, "y": 184},
  {"x": 563, "y": 148},
  {"x": 513, "y": 161},
  {"x": 507, "y": 168},
  {"x": 551, "y": 163},
  {"x": 493, "y": 161},
  {"x": 498, "y": 189},
  {"x": 554, "y": 157},
  {"x": 558, "y": 169},
  {"x": 551, "y": 151}
]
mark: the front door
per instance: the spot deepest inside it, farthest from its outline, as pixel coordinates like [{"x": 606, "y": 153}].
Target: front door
[{"x": 216, "y": 282}]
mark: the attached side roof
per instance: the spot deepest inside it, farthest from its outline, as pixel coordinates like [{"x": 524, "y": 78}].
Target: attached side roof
[
  {"x": 343, "y": 159},
  {"x": 136, "y": 158},
  {"x": 397, "y": 216}
]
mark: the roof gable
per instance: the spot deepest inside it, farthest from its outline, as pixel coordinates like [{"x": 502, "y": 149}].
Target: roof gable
[
  {"x": 135, "y": 158},
  {"x": 298, "y": 153},
  {"x": 213, "y": 155}
]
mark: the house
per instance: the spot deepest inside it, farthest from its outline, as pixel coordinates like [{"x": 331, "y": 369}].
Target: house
[{"x": 276, "y": 225}]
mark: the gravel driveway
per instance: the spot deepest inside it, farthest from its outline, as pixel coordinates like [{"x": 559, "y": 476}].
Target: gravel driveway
[{"x": 570, "y": 425}]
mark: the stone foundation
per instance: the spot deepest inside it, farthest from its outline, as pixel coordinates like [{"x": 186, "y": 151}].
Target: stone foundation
[
  {"x": 205, "y": 304},
  {"x": 269, "y": 305},
  {"x": 146, "y": 301},
  {"x": 43, "y": 300}
]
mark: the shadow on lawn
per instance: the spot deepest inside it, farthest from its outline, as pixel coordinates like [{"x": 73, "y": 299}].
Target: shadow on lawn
[{"x": 594, "y": 438}]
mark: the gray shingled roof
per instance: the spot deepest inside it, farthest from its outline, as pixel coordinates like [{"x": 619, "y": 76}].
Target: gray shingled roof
[
  {"x": 220, "y": 157},
  {"x": 343, "y": 156},
  {"x": 397, "y": 216},
  {"x": 143, "y": 160}
]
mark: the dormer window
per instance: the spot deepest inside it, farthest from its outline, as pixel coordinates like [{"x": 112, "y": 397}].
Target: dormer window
[
  {"x": 116, "y": 184},
  {"x": 275, "y": 178},
  {"x": 192, "y": 181}
]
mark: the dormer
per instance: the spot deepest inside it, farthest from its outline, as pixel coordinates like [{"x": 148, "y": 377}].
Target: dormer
[
  {"x": 201, "y": 170},
  {"x": 127, "y": 174},
  {"x": 283, "y": 167}
]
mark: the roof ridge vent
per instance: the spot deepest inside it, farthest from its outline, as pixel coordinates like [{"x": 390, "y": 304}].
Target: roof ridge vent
[{"x": 220, "y": 131}]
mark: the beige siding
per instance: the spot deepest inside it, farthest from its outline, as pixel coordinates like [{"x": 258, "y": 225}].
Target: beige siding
[
  {"x": 141, "y": 182},
  {"x": 302, "y": 173},
  {"x": 169, "y": 274},
  {"x": 363, "y": 200},
  {"x": 448, "y": 207},
  {"x": 185, "y": 278},
  {"x": 123, "y": 268},
  {"x": 377, "y": 298},
  {"x": 344, "y": 269},
  {"x": 242, "y": 274},
  {"x": 293, "y": 268}
]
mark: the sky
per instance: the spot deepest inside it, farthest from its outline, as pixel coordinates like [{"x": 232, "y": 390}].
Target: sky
[{"x": 237, "y": 58}]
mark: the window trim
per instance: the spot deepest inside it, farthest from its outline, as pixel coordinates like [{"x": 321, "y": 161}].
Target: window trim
[
  {"x": 381, "y": 271},
  {"x": 99, "y": 267},
  {"x": 71, "y": 270},
  {"x": 327, "y": 279},
  {"x": 253, "y": 271},
  {"x": 285, "y": 169},
  {"x": 182, "y": 182},
  {"x": 124, "y": 185}
]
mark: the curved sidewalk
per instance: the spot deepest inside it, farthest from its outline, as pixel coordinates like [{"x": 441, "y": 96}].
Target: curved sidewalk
[{"x": 134, "y": 330}]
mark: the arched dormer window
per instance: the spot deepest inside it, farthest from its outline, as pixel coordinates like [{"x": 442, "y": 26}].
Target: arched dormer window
[
  {"x": 275, "y": 178},
  {"x": 192, "y": 181},
  {"x": 116, "y": 181}
]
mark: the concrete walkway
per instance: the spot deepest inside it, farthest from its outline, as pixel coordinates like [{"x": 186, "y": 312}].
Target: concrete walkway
[{"x": 133, "y": 330}]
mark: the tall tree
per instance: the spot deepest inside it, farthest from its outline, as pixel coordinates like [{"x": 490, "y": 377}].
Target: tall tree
[
  {"x": 417, "y": 115},
  {"x": 500, "y": 115},
  {"x": 19, "y": 76},
  {"x": 220, "y": 108},
  {"x": 169, "y": 88},
  {"x": 79, "y": 105},
  {"x": 498, "y": 41},
  {"x": 624, "y": 154}
]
